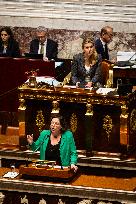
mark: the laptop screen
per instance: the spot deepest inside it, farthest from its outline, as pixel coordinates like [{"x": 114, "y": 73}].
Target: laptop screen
[{"x": 33, "y": 56}]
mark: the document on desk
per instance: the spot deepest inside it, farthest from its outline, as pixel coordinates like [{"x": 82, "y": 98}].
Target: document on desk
[
  {"x": 10, "y": 174},
  {"x": 122, "y": 67},
  {"x": 46, "y": 79},
  {"x": 105, "y": 91}
]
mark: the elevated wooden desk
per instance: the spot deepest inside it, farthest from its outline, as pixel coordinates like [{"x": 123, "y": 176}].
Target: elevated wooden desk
[
  {"x": 102, "y": 123},
  {"x": 88, "y": 186}
]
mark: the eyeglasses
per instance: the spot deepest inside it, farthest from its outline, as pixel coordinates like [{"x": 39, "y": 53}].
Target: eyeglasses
[{"x": 110, "y": 34}]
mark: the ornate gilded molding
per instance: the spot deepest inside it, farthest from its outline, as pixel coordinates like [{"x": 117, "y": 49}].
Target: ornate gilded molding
[
  {"x": 89, "y": 110},
  {"x": 107, "y": 125},
  {"x": 133, "y": 121},
  {"x": 70, "y": 96},
  {"x": 73, "y": 122},
  {"x": 77, "y": 96},
  {"x": 124, "y": 111},
  {"x": 55, "y": 105},
  {"x": 40, "y": 120},
  {"x": 24, "y": 199},
  {"x": 21, "y": 104},
  {"x": 66, "y": 79}
]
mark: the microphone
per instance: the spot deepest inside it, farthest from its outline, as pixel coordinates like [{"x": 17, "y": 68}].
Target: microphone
[
  {"x": 132, "y": 57},
  {"x": 41, "y": 143},
  {"x": 8, "y": 92}
]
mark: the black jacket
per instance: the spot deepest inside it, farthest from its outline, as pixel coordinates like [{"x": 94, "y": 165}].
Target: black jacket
[
  {"x": 100, "y": 50},
  {"x": 79, "y": 73},
  {"x": 12, "y": 49},
  {"x": 51, "y": 48}
]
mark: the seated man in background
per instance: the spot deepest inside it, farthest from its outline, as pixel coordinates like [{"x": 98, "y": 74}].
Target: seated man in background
[
  {"x": 101, "y": 44},
  {"x": 43, "y": 45}
]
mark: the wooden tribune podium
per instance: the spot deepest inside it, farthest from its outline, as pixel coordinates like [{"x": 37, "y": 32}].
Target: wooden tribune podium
[{"x": 46, "y": 170}]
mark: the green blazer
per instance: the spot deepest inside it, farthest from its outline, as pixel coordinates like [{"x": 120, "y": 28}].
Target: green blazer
[{"x": 68, "y": 152}]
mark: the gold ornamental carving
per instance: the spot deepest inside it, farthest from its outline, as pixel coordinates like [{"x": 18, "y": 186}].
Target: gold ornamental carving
[
  {"x": 22, "y": 104},
  {"x": 124, "y": 111},
  {"x": 69, "y": 95},
  {"x": 107, "y": 125},
  {"x": 73, "y": 122},
  {"x": 133, "y": 121},
  {"x": 89, "y": 110},
  {"x": 66, "y": 79},
  {"x": 55, "y": 108},
  {"x": 40, "y": 120}
]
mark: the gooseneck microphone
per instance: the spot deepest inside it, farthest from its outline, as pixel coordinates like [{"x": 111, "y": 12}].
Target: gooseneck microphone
[
  {"x": 41, "y": 143},
  {"x": 30, "y": 157}
]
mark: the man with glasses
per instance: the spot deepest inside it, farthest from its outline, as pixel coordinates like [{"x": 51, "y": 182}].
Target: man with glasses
[
  {"x": 44, "y": 45},
  {"x": 101, "y": 44}
]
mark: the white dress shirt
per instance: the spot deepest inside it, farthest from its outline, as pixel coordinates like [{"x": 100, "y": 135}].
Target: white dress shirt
[{"x": 45, "y": 44}]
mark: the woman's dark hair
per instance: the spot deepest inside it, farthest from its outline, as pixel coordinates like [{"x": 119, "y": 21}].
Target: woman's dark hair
[
  {"x": 62, "y": 120},
  {"x": 8, "y": 31}
]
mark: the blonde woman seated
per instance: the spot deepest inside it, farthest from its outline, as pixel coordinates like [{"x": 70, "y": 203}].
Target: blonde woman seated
[{"x": 86, "y": 66}]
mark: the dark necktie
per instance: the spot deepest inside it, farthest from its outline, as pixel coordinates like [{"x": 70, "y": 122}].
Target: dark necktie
[{"x": 106, "y": 52}]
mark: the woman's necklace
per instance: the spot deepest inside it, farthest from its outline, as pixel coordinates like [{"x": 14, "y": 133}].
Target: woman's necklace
[
  {"x": 55, "y": 139},
  {"x": 87, "y": 62}
]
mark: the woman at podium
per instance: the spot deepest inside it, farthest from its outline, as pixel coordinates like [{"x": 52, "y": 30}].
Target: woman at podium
[
  {"x": 86, "y": 66},
  {"x": 9, "y": 47},
  {"x": 56, "y": 144}
]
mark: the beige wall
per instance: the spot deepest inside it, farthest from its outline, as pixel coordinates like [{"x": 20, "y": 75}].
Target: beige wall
[
  {"x": 68, "y": 21},
  {"x": 70, "y": 14}
]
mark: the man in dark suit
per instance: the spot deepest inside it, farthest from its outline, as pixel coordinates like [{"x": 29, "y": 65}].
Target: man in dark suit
[
  {"x": 101, "y": 44},
  {"x": 43, "y": 45}
]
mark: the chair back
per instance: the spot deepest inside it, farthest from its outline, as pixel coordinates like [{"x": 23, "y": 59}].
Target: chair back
[{"x": 107, "y": 73}]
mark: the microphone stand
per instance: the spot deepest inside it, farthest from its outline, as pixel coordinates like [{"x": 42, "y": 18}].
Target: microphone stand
[
  {"x": 36, "y": 149},
  {"x": 30, "y": 156}
]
